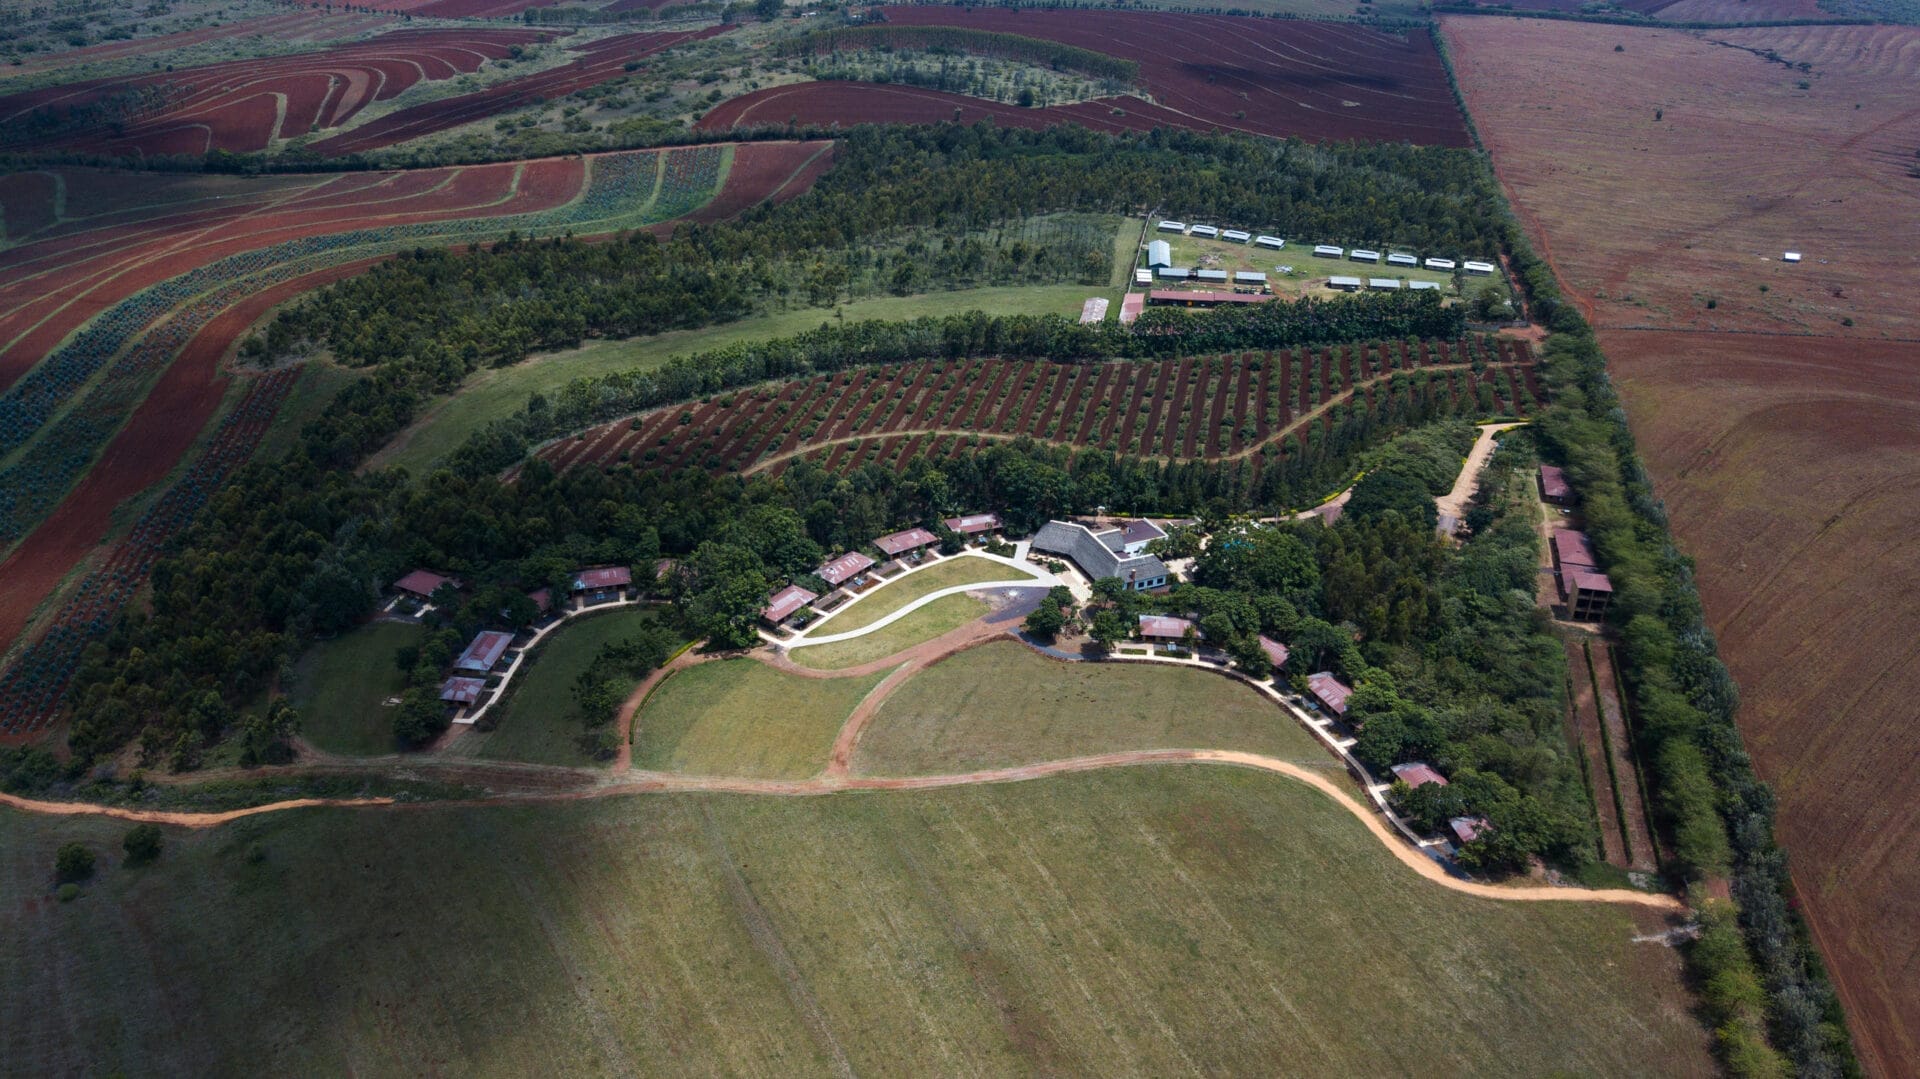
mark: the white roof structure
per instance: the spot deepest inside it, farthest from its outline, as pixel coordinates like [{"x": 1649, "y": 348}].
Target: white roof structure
[
  {"x": 1205, "y": 230},
  {"x": 1422, "y": 286},
  {"x": 1329, "y": 250},
  {"x": 1348, "y": 283},
  {"x": 1791, "y": 256},
  {"x": 1384, "y": 284},
  {"x": 1143, "y": 277},
  {"x": 1439, "y": 264},
  {"x": 1094, "y": 310},
  {"x": 1361, "y": 254},
  {"x": 1249, "y": 277},
  {"x": 1159, "y": 253},
  {"x": 1210, "y": 275},
  {"x": 1171, "y": 226},
  {"x": 1235, "y": 235},
  {"x": 1273, "y": 242},
  {"x": 1399, "y": 259},
  {"x": 1177, "y": 273},
  {"x": 1480, "y": 268}
]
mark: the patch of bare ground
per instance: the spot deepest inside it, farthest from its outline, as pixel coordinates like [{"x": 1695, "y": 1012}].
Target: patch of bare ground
[{"x": 1792, "y": 472}]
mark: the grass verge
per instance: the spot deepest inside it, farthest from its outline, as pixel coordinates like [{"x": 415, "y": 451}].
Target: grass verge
[
  {"x": 890, "y": 597},
  {"x": 339, "y": 684},
  {"x": 942, "y": 615},
  {"x": 742, "y": 717},
  {"x": 538, "y": 722}
]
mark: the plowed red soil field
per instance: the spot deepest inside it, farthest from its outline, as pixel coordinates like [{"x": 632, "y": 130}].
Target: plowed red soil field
[
  {"x": 245, "y": 105},
  {"x": 767, "y": 172},
  {"x": 1274, "y": 77},
  {"x": 1230, "y": 407},
  {"x": 600, "y": 61},
  {"x": 1785, "y": 441}
]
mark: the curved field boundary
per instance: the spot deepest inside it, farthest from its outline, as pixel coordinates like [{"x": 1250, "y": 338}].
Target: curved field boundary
[
  {"x": 1252, "y": 402},
  {"x": 246, "y": 105},
  {"x": 600, "y": 61}
]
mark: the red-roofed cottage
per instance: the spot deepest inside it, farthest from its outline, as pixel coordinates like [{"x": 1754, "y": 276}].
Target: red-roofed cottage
[
  {"x": 602, "y": 580},
  {"x": 1167, "y": 629},
  {"x": 1467, "y": 829},
  {"x": 785, "y": 603},
  {"x": 421, "y": 583},
  {"x": 462, "y": 690},
  {"x": 974, "y": 524},
  {"x": 1554, "y": 487},
  {"x": 899, "y": 543},
  {"x": 1331, "y": 692},
  {"x": 844, "y": 568},
  {"x": 485, "y": 651},
  {"x": 1418, "y": 774},
  {"x": 1276, "y": 652}
]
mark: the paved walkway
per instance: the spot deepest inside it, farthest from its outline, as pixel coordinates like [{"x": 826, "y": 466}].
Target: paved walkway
[{"x": 1034, "y": 577}]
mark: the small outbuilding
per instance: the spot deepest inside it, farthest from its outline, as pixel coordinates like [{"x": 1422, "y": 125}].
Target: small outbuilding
[
  {"x": 1467, "y": 829},
  {"x": 1361, "y": 254},
  {"x": 1159, "y": 253},
  {"x": 1205, "y": 232},
  {"x": 1275, "y": 651},
  {"x": 1384, "y": 284},
  {"x": 974, "y": 524},
  {"x": 1131, "y": 305},
  {"x": 1172, "y": 226},
  {"x": 1235, "y": 236},
  {"x": 1790, "y": 256},
  {"x": 1331, "y": 692},
  {"x": 1478, "y": 269},
  {"x": 1446, "y": 265},
  {"x": 845, "y": 568},
  {"x": 786, "y": 603},
  {"x": 1418, "y": 774},
  {"x": 1093, "y": 311},
  {"x": 1272, "y": 243},
  {"x": 1328, "y": 251},
  {"x": 1165, "y": 629},
  {"x": 1398, "y": 258},
  {"x": 462, "y": 690},
  {"x": 1344, "y": 284},
  {"x": 1554, "y": 488},
  {"x": 484, "y": 651},
  {"x": 1143, "y": 276}
]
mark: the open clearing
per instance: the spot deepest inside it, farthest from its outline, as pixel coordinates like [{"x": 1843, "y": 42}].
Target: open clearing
[
  {"x": 539, "y": 722},
  {"x": 1003, "y": 704},
  {"x": 742, "y": 717},
  {"x": 926, "y": 623},
  {"x": 339, "y": 684},
  {"x": 895, "y": 594},
  {"x": 1143, "y": 921}
]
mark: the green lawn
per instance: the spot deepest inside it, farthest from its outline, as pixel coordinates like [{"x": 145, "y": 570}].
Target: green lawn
[
  {"x": 338, "y": 686},
  {"x": 742, "y": 717},
  {"x": 940, "y": 616},
  {"x": 890, "y": 597},
  {"x": 539, "y": 722},
  {"x": 1005, "y": 704},
  {"x": 498, "y": 392},
  {"x": 1165, "y": 920}
]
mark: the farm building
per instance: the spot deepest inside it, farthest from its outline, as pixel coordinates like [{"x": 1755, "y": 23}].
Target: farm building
[
  {"x": 1328, "y": 251},
  {"x": 1173, "y": 273},
  {"x": 1202, "y": 299},
  {"x": 1467, "y": 829},
  {"x": 899, "y": 543},
  {"x": 1439, "y": 264},
  {"x": 1249, "y": 277},
  {"x": 1790, "y": 256},
  {"x": 1100, "y": 554},
  {"x": 1276, "y": 652},
  {"x": 845, "y": 568},
  {"x": 1361, "y": 254},
  {"x": 974, "y": 524},
  {"x": 1331, "y": 692},
  {"x": 462, "y": 690},
  {"x": 601, "y": 582},
  {"x": 1210, "y": 277},
  {"x": 1418, "y": 774},
  {"x": 1130, "y": 307},
  {"x": 1094, "y": 310},
  {"x": 1159, "y": 253},
  {"x": 1344, "y": 284},
  {"x": 1554, "y": 487},
  {"x": 1583, "y": 588},
  {"x": 1273, "y": 243},
  {"x": 1384, "y": 284},
  {"x": 1401, "y": 259},
  {"x": 485, "y": 650},
  {"x": 1235, "y": 235},
  {"x": 1478, "y": 269},
  {"x": 422, "y": 583},
  {"x": 1172, "y": 226},
  {"x": 1143, "y": 277},
  {"x": 1205, "y": 232},
  {"x": 786, "y": 603},
  {"x": 1163, "y": 629},
  {"x": 1424, "y": 286}
]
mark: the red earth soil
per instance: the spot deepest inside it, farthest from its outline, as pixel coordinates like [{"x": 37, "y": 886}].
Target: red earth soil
[
  {"x": 1275, "y": 77},
  {"x": 300, "y": 27},
  {"x": 72, "y": 274},
  {"x": 766, "y": 172},
  {"x": 146, "y": 449},
  {"x": 600, "y": 61},
  {"x": 244, "y": 105}
]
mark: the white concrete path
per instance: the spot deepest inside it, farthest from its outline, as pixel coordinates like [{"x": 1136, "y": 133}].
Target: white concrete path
[{"x": 1035, "y": 578}]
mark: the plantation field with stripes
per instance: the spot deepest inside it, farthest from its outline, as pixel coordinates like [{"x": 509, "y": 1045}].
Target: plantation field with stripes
[{"x": 1250, "y": 406}]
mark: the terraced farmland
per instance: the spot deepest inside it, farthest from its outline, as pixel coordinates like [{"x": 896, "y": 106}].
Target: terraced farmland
[{"x": 1246, "y": 406}]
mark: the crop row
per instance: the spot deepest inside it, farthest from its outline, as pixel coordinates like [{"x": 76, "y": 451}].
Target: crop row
[
  {"x": 1192, "y": 408},
  {"x": 31, "y": 687},
  {"x": 621, "y": 188}
]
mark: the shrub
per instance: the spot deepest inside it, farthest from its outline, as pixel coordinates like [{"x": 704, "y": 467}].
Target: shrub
[
  {"x": 74, "y": 862},
  {"x": 142, "y": 844}
]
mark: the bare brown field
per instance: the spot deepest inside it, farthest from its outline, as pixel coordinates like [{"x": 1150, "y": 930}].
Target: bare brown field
[
  {"x": 1785, "y": 441},
  {"x": 1648, "y": 220},
  {"x": 1792, "y": 470}
]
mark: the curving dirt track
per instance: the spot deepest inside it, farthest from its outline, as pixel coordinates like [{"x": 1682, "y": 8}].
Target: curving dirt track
[
  {"x": 599, "y": 61},
  {"x": 245, "y": 105}
]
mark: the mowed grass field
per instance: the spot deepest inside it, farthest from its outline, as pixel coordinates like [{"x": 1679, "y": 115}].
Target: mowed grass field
[
  {"x": 1004, "y": 704},
  {"x": 498, "y": 392},
  {"x": 924, "y": 624},
  {"x": 1151, "y": 921},
  {"x": 741, "y": 717},
  {"x": 339, "y": 684},
  {"x": 539, "y": 722},
  {"x": 898, "y": 593}
]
